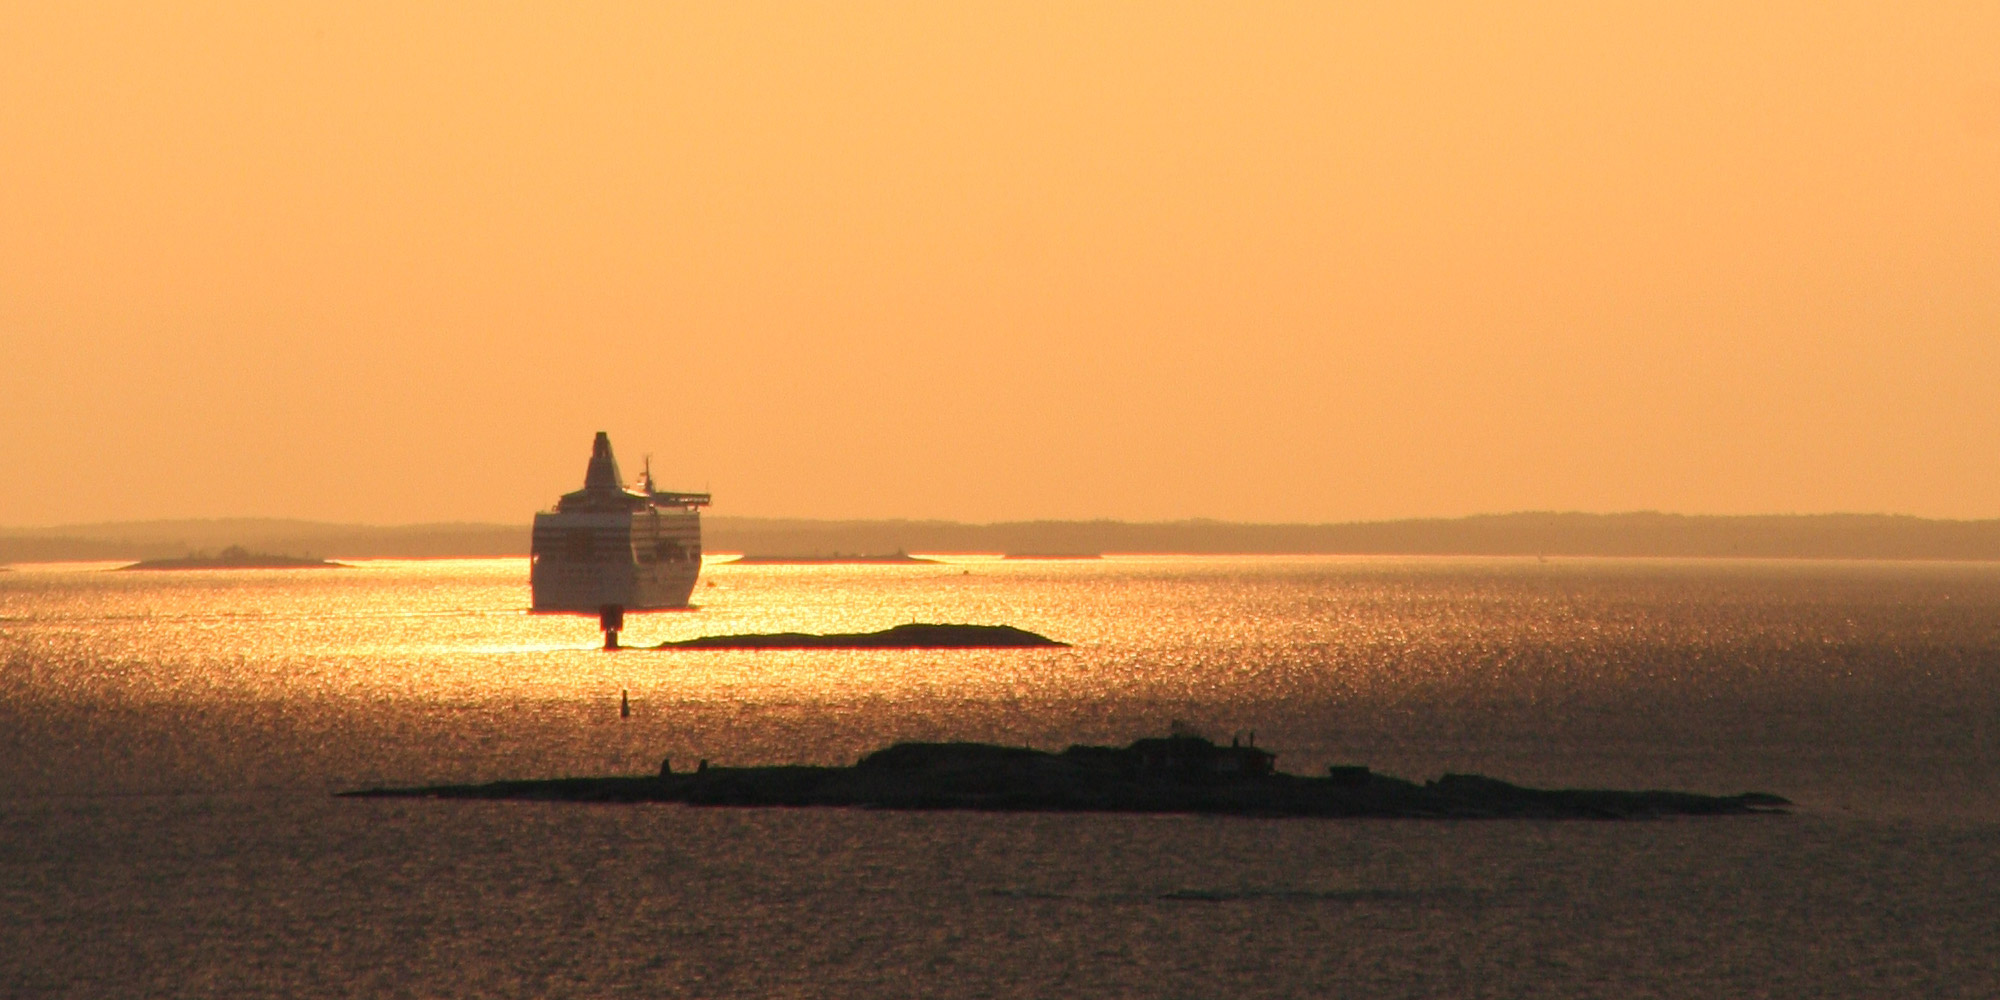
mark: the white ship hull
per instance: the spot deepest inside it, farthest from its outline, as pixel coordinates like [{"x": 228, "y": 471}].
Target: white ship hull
[
  {"x": 607, "y": 547},
  {"x": 582, "y": 562}
]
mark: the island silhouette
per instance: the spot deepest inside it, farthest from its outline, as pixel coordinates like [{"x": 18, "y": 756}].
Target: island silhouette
[
  {"x": 836, "y": 558},
  {"x": 914, "y": 635},
  {"x": 1181, "y": 773},
  {"x": 235, "y": 557}
]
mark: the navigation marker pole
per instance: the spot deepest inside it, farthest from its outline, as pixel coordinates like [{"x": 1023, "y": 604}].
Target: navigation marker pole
[{"x": 611, "y": 618}]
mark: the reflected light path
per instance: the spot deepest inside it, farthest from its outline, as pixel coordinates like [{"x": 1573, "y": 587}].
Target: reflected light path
[{"x": 1632, "y": 672}]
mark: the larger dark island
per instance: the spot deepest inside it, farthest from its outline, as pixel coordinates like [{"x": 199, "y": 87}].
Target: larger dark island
[{"x": 1176, "y": 774}]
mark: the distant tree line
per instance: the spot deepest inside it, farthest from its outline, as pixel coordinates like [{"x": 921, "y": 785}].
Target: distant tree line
[{"x": 1814, "y": 536}]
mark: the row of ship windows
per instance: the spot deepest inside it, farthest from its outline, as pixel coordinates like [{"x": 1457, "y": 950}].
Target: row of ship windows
[
  {"x": 666, "y": 550},
  {"x": 585, "y": 545}
]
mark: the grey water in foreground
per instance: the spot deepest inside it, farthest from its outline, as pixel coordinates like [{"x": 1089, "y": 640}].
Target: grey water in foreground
[{"x": 170, "y": 745}]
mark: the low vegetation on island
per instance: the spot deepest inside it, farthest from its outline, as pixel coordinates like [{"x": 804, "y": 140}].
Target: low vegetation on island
[{"x": 1175, "y": 774}]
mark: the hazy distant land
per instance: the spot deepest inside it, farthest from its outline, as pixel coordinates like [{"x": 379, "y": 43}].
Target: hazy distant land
[
  {"x": 233, "y": 557},
  {"x": 1812, "y": 536},
  {"x": 129, "y": 540}
]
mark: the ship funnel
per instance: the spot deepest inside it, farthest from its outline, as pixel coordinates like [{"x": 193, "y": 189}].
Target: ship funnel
[{"x": 603, "y": 471}]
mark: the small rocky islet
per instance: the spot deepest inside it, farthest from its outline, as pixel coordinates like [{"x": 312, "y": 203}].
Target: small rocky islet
[
  {"x": 833, "y": 559},
  {"x": 912, "y": 635},
  {"x": 235, "y": 557},
  {"x": 1174, "y": 774}
]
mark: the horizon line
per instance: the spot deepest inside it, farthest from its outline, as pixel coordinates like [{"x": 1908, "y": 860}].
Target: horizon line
[{"x": 1192, "y": 520}]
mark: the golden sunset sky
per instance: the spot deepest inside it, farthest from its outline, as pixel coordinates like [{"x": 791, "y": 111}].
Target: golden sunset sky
[{"x": 1303, "y": 262}]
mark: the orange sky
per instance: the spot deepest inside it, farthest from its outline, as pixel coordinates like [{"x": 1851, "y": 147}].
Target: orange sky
[{"x": 1007, "y": 261}]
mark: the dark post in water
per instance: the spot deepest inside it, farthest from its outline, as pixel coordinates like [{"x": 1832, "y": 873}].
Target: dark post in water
[{"x": 611, "y": 618}]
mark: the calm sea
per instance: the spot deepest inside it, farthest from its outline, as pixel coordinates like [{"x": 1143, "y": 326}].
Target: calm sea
[{"x": 169, "y": 744}]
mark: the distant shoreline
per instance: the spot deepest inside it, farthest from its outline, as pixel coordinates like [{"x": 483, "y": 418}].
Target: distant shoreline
[
  {"x": 1642, "y": 534},
  {"x": 231, "y": 558}
]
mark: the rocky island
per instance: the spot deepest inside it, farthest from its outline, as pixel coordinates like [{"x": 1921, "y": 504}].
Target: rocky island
[
  {"x": 1175, "y": 774},
  {"x": 915, "y": 635},
  {"x": 236, "y": 557},
  {"x": 836, "y": 559}
]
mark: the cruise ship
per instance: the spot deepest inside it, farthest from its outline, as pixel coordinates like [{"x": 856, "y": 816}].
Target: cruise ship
[{"x": 607, "y": 548}]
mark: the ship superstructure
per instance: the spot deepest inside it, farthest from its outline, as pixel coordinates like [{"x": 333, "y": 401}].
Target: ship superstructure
[{"x": 608, "y": 548}]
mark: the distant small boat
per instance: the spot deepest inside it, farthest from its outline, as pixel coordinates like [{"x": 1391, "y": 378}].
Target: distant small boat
[{"x": 236, "y": 557}]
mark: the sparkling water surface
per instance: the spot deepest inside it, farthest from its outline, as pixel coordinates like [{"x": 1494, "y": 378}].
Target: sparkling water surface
[{"x": 169, "y": 743}]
